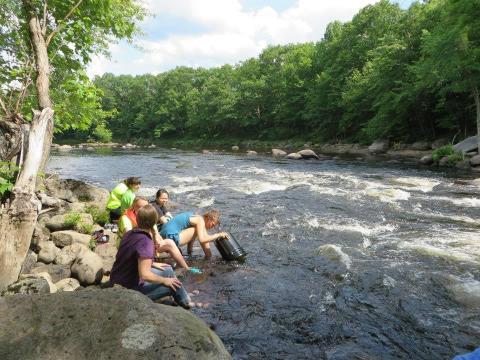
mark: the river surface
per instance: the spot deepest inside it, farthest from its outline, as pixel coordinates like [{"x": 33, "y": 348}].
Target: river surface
[{"x": 347, "y": 258}]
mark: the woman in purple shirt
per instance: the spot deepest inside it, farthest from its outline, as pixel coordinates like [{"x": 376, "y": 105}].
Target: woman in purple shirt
[{"x": 135, "y": 269}]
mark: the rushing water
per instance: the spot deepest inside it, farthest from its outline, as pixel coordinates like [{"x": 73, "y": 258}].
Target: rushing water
[{"x": 347, "y": 259}]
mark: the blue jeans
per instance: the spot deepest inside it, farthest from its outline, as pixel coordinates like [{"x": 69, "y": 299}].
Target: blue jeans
[{"x": 157, "y": 291}]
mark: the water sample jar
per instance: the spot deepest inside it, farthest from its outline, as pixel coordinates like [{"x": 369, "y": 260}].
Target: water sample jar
[{"x": 230, "y": 249}]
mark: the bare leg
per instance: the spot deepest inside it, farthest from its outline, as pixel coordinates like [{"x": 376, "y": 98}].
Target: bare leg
[
  {"x": 169, "y": 246},
  {"x": 188, "y": 236}
]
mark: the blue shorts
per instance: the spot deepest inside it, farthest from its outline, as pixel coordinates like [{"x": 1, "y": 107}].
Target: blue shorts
[{"x": 174, "y": 237}]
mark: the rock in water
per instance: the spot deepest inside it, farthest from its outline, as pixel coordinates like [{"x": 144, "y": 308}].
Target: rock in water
[
  {"x": 308, "y": 154},
  {"x": 102, "y": 324}
]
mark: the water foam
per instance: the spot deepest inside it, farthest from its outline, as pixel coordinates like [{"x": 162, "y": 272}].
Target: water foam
[
  {"x": 348, "y": 226},
  {"x": 416, "y": 183}
]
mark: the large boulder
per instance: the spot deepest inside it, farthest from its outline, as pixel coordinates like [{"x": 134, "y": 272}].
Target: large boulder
[
  {"x": 308, "y": 154},
  {"x": 426, "y": 160},
  {"x": 102, "y": 324},
  {"x": 74, "y": 190},
  {"x": 88, "y": 268},
  {"x": 278, "y": 153},
  {"x": 68, "y": 237},
  {"x": 69, "y": 253},
  {"x": 56, "y": 272},
  {"x": 379, "y": 147},
  {"x": 469, "y": 144},
  {"x": 48, "y": 252},
  {"x": 107, "y": 252},
  {"x": 57, "y": 223}
]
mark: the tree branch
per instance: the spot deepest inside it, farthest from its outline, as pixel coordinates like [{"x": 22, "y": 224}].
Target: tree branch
[
  {"x": 44, "y": 24},
  {"x": 62, "y": 23},
  {"x": 4, "y": 108}
]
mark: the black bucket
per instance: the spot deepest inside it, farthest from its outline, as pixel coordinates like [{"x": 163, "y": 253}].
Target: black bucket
[{"x": 230, "y": 249}]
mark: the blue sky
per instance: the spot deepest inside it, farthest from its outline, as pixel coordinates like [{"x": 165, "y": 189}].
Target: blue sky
[{"x": 215, "y": 32}]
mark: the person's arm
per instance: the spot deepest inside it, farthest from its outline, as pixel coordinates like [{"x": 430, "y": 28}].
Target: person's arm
[
  {"x": 201, "y": 230},
  {"x": 145, "y": 273}
]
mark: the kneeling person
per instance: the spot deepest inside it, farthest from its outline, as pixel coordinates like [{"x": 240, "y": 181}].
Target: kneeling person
[{"x": 134, "y": 267}]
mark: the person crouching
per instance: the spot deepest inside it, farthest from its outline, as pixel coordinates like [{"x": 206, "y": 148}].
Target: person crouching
[{"x": 135, "y": 269}]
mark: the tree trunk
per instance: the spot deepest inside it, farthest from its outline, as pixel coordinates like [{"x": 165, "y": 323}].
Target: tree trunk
[
  {"x": 476, "y": 97},
  {"x": 19, "y": 216},
  {"x": 42, "y": 82}
]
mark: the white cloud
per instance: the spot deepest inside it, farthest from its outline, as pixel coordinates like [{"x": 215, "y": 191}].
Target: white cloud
[{"x": 231, "y": 34}]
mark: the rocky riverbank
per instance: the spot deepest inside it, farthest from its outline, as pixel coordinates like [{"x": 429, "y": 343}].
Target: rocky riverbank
[{"x": 60, "y": 288}]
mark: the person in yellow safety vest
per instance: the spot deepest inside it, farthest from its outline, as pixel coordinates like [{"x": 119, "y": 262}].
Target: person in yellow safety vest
[
  {"x": 128, "y": 221},
  {"x": 122, "y": 194}
]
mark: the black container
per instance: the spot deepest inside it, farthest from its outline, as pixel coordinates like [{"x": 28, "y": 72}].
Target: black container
[{"x": 230, "y": 249}]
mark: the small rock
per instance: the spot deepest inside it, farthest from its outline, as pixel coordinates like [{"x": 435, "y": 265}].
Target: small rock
[
  {"x": 463, "y": 164},
  {"x": 48, "y": 252},
  {"x": 426, "y": 160},
  {"x": 40, "y": 234},
  {"x": 69, "y": 253},
  {"x": 48, "y": 201},
  {"x": 29, "y": 284},
  {"x": 235, "y": 148},
  {"x": 206, "y": 152},
  {"x": 439, "y": 143},
  {"x": 251, "y": 152},
  {"x": 29, "y": 262},
  {"x": 57, "y": 223},
  {"x": 88, "y": 268},
  {"x": 294, "y": 156},
  {"x": 475, "y": 160},
  {"x": 379, "y": 147},
  {"x": 308, "y": 154},
  {"x": 68, "y": 237},
  {"x": 69, "y": 284},
  {"x": 56, "y": 272},
  {"x": 65, "y": 148},
  {"x": 278, "y": 153}
]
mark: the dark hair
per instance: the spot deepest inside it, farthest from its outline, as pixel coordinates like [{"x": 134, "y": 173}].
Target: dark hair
[
  {"x": 147, "y": 217},
  {"x": 133, "y": 180},
  {"x": 160, "y": 192}
]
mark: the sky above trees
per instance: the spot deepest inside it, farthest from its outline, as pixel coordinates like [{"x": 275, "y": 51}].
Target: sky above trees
[{"x": 211, "y": 33}]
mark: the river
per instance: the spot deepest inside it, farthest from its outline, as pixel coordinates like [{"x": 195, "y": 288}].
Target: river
[{"x": 347, "y": 258}]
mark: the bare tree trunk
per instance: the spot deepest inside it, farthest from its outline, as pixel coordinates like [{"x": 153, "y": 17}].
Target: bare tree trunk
[
  {"x": 18, "y": 218},
  {"x": 476, "y": 97},
  {"x": 42, "y": 82}
]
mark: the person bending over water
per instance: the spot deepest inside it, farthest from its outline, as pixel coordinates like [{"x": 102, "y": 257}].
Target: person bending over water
[
  {"x": 135, "y": 269},
  {"x": 126, "y": 189},
  {"x": 184, "y": 228},
  {"x": 128, "y": 221}
]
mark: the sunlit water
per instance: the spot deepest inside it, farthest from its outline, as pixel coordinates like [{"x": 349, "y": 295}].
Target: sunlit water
[{"x": 347, "y": 259}]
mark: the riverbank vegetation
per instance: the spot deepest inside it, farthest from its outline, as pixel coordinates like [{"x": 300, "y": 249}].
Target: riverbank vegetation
[{"x": 389, "y": 73}]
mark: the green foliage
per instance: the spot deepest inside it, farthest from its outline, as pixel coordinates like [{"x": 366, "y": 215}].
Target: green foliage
[
  {"x": 99, "y": 216},
  {"x": 72, "y": 219},
  {"x": 8, "y": 173},
  {"x": 85, "y": 228},
  {"x": 447, "y": 150},
  {"x": 385, "y": 73}
]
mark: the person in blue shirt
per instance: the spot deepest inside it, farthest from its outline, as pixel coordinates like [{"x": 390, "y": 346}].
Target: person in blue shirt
[{"x": 186, "y": 227}]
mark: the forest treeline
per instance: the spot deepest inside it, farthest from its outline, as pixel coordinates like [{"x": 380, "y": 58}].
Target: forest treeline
[{"x": 388, "y": 73}]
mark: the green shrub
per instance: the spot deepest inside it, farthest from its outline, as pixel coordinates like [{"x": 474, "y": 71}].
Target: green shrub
[
  {"x": 85, "y": 228},
  {"x": 8, "y": 173},
  {"x": 72, "y": 219},
  {"x": 101, "y": 217},
  {"x": 454, "y": 156}
]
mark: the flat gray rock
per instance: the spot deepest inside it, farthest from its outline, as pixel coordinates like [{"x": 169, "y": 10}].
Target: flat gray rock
[
  {"x": 469, "y": 144},
  {"x": 102, "y": 324}
]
